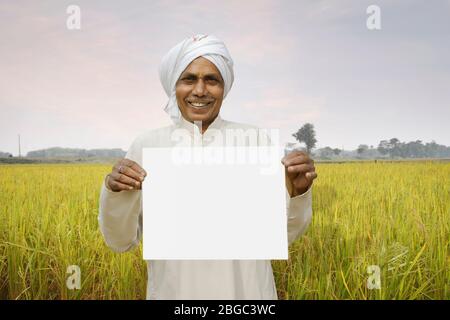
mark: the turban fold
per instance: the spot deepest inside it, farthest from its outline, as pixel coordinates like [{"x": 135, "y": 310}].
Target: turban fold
[{"x": 180, "y": 56}]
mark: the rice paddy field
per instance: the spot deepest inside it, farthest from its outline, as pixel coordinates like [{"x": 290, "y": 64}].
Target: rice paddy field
[{"x": 394, "y": 215}]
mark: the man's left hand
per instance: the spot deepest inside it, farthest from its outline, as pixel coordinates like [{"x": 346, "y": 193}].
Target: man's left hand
[{"x": 300, "y": 172}]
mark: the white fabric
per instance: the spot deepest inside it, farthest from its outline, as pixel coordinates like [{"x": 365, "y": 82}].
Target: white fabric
[
  {"x": 180, "y": 56},
  {"x": 120, "y": 219}
]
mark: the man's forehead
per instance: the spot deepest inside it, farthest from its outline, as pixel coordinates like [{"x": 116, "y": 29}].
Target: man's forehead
[{"x": 201, "y": 66}]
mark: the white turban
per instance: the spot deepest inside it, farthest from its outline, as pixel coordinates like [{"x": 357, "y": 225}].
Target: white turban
[{"x": 179, "y": 57}]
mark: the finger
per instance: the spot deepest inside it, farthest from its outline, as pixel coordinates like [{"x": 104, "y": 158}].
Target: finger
[
  {"x": 297, "y": 153},
  {"x": 311, "y": 175},
  {"x": 136, "y": 167},
  {"x": 291, "y": 155},
  {"x": 301, "y": 168},
  {"x": 118, "y": 186},
  {"x": 132, "y": 173},
  {"x": 297, "y": 160},
  {"x": 124, "y": 179}
]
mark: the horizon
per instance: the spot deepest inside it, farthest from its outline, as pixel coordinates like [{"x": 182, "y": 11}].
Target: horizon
[
  {"x": 126, "y": 150},
  {"x": 98, "y": 87},
  {"x": 315, "y": 148}
]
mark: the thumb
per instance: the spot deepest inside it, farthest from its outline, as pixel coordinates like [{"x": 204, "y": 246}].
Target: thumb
[{"x": 310, "y": 175}]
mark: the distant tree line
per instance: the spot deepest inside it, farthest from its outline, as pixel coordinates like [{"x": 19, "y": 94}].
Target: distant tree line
[
  {"x": 392, "y": 148},
  {"x": 5, "y": 155},
  {"x": 413, "y": 149},
  {"x": 58, "y": 152}
]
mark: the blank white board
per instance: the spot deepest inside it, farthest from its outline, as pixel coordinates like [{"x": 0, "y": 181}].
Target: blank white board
[{"x": 214, "y": 203}]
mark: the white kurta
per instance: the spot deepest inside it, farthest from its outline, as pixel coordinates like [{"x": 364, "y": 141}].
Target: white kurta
[{"x": 120, "y": 219}]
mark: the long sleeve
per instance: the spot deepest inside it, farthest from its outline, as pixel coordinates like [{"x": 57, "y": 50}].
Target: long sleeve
[
  {"x": 299, "y": 214},
  {"x": 120, "y": 214}
]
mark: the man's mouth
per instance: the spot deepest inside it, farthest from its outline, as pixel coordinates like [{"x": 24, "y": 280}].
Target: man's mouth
[{"x": 199, "y": 105}]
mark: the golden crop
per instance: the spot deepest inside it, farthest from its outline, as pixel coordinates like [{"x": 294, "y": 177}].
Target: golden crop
[{"x": 393, "y": 215}]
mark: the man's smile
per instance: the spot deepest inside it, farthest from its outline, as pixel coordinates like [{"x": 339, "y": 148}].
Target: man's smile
[{"x": 200, "y": 105}]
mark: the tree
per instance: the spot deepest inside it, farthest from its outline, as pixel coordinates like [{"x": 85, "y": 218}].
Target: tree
[
  {"x": 326, "y": 152},
  {"x": 396, "y": 147},
  {"x": 413, "y": 149},
  {"x": 391, "y": 147},
  {"x": 432, "y": 149},
  {"x": 336, "y": 151},
  {"x": 383, "y": 147},
  {"x": 362, "y": 148},
  {"x": 307, "y": 135}
]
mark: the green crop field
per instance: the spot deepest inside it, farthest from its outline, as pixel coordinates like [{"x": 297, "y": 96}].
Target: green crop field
[{"x": 392, "y": 215}]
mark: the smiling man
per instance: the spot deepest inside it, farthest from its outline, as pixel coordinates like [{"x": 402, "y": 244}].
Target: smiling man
[
  {"x": 197, "y": 74},
  {"x": 199, "y": 92}
]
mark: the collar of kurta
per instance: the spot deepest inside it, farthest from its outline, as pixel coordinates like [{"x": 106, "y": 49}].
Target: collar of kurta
[{"x": 193, "y": 129}]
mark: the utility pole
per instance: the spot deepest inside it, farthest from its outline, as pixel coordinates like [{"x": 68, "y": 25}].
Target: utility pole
[{"x": 19, "y": 147}]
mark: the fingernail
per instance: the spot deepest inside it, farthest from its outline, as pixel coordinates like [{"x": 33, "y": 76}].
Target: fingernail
[
  {"x": 141, "y": 178},
  {"x": 130, "y": 188}
]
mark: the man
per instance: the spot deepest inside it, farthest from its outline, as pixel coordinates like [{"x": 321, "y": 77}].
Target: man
[{"x": 197, "y": 74}]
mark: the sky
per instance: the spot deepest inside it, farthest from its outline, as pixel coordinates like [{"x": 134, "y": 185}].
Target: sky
[{"x": 295, "y": 62}]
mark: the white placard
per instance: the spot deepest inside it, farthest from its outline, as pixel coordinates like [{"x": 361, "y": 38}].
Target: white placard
[{"x": 214, "y": 203}]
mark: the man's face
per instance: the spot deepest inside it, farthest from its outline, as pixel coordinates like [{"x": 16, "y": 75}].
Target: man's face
[{"x": 199, "y": 92}]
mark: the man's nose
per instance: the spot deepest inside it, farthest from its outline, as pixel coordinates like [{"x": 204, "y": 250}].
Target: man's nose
[{"x": 199, "y": 88}]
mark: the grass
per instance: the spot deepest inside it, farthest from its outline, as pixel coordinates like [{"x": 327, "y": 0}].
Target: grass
[{"x": 394, "y": 215}]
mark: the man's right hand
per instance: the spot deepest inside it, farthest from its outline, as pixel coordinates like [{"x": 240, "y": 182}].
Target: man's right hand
[{"x": 125, "y": 175}]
